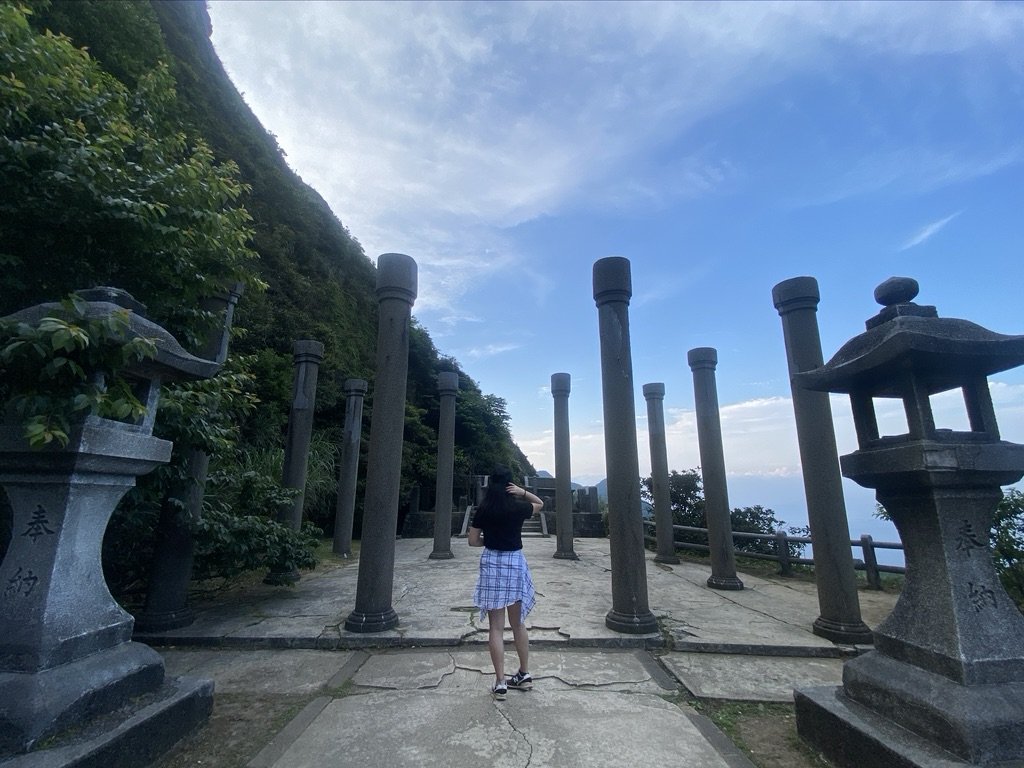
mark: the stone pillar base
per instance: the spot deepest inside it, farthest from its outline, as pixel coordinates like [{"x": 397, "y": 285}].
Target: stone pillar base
[
  {"x": 668, "y": 560},
  {"x": 724, "y": 582},
  {"x": 842, "y": 632},
  {"x": 631, "y": 623},
  {"x": 441, "y": 555},
  {"x": 358, "y": 621},
  {"x": 570, "y": 555}
]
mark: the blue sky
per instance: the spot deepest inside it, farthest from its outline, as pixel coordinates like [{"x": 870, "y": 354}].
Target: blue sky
[{"x": 722, "y": 148}]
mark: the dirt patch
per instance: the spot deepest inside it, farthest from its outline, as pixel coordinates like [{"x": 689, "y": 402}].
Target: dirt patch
[
  {"x": 240, "y": 726},
  {"x": 772, "y": 742},
  {"x": 766, "y": 733}
]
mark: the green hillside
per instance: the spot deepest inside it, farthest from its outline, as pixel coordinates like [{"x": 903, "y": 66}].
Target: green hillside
[{"x": 94, "y": 206}]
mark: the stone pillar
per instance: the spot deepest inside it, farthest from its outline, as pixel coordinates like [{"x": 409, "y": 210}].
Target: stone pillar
[
  {"x": 703, "y": 361},
  {"x": 560, "y": 386},
  {"x": 171, "y": 570},
  {"x": 840, "y": 621},
  {"x": 665, "y": 536},
  {"x": 612, "y": 291},
  {"x": 344, "y": 513},
  {"x": 396, "y": 292},
  {"x": 306, "y": 356},
  {"x": 447, "y": 388}
]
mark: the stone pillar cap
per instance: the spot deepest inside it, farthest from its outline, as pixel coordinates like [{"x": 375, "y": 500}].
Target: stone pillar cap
[
  {"x": 307, "y": 351},
  {"x": 796, "y": 293},
  {"x": 560, "y": 383},
  {"x": 702, "y": 357},
  {"x": 396, "y": 277},
  {"x": 612, "y": 280},
  {"x": 655, "y": 389},
  {"x": 355, "y": 386},
  {"x": 448, "y": 382}
]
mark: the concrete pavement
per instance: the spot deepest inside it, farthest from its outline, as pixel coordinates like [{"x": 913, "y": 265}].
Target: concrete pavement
[{"x": 418, "y": 695}]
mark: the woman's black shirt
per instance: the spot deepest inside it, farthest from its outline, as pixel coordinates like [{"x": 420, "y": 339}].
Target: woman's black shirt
[{"x": 503, "y": 530}]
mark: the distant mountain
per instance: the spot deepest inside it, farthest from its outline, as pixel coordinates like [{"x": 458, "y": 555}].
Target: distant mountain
[
  {"x": 602, "y": 490},
  {"x": 547, "y": 475}
]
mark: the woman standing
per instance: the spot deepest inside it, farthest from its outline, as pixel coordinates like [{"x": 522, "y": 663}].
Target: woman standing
[{"x": 504, "y": 581}]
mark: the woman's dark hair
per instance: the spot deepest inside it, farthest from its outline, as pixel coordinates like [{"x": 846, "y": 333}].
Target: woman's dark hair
[{"x": 496, "y": 497}]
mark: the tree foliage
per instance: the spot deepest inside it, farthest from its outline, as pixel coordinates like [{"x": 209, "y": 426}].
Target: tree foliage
[
  {"x": 686, "y": 494},
  {"x": 237, "y": 530},
  {"x": 69, "y": 366},
  {"x": 1008, "y": 544},
  {"x": 102, "y": 186},
  {"x": 128, "y": 158}
]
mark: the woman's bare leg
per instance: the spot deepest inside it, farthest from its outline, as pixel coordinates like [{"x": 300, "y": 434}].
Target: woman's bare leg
[
  {"x": 522, "y": 640},
  {"x": 496, "y": 642}
]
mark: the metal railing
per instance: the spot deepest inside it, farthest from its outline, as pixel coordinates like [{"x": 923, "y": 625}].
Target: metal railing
[{"x": 869, "y": 564}]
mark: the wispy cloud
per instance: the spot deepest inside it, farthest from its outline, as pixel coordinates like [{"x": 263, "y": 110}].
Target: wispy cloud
[
  {"x": 490, "y": 350},
  {"x": 433, "y": 128},
  {"x": 909, "y": 171},
  {"x": 928, "y": 231}
]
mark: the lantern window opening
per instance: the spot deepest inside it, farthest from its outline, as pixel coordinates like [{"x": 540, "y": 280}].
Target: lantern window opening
[{"x": 953, "y": 412}]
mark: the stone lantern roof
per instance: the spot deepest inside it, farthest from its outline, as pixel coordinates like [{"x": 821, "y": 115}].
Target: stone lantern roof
[
  {"x": 171, "y": 361},
  {"x": 904, "y": 337}
]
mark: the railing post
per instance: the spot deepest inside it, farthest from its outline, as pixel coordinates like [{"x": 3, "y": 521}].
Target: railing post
[
  {"x": 870, "y": 562},
  {"x": 782, "y": 549}
]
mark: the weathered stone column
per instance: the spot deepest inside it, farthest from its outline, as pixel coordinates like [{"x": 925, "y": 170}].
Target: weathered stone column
[
  {"x": 447, "y": 388},
  {"x": 612, "y": 291},
  {"x": 664, "y": 535},
  {"x": 171, "y": 570},
  {"x": 840, "y": 621},
  {"x": 344, "y": 512},
  {"x": 703, "y": 361},
  {"x": 560, "y": 386},
  {"x": 396, "y": 292},
  {"x": 307, "y": 356}
]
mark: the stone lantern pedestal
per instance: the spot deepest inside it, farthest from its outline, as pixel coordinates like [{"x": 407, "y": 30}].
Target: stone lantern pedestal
[
  {"x": 945, "y": 683},
  {"x": 66, "y": 655}
]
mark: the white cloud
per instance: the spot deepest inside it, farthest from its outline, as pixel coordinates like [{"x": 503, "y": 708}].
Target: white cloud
[
  {"x": 491, "y": 350},
  {"x": 431, "y": 127},
  {"x": 759, "y": 436},
  {"x": 928, "y": 231}
]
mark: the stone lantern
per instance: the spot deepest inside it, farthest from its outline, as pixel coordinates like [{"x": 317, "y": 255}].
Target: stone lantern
[
  {"x": 66, "y": 655},
  {"x": 945, "y": 683}
]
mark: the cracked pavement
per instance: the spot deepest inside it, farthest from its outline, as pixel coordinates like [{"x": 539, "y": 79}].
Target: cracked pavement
[{"x": 419, "y": 695}]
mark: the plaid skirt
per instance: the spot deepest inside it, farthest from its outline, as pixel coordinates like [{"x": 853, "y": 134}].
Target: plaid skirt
[{"x": 504, "y": 580}]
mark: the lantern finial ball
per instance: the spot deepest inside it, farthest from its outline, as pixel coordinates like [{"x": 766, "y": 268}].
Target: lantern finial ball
[{"x": 896, "y": 290}]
